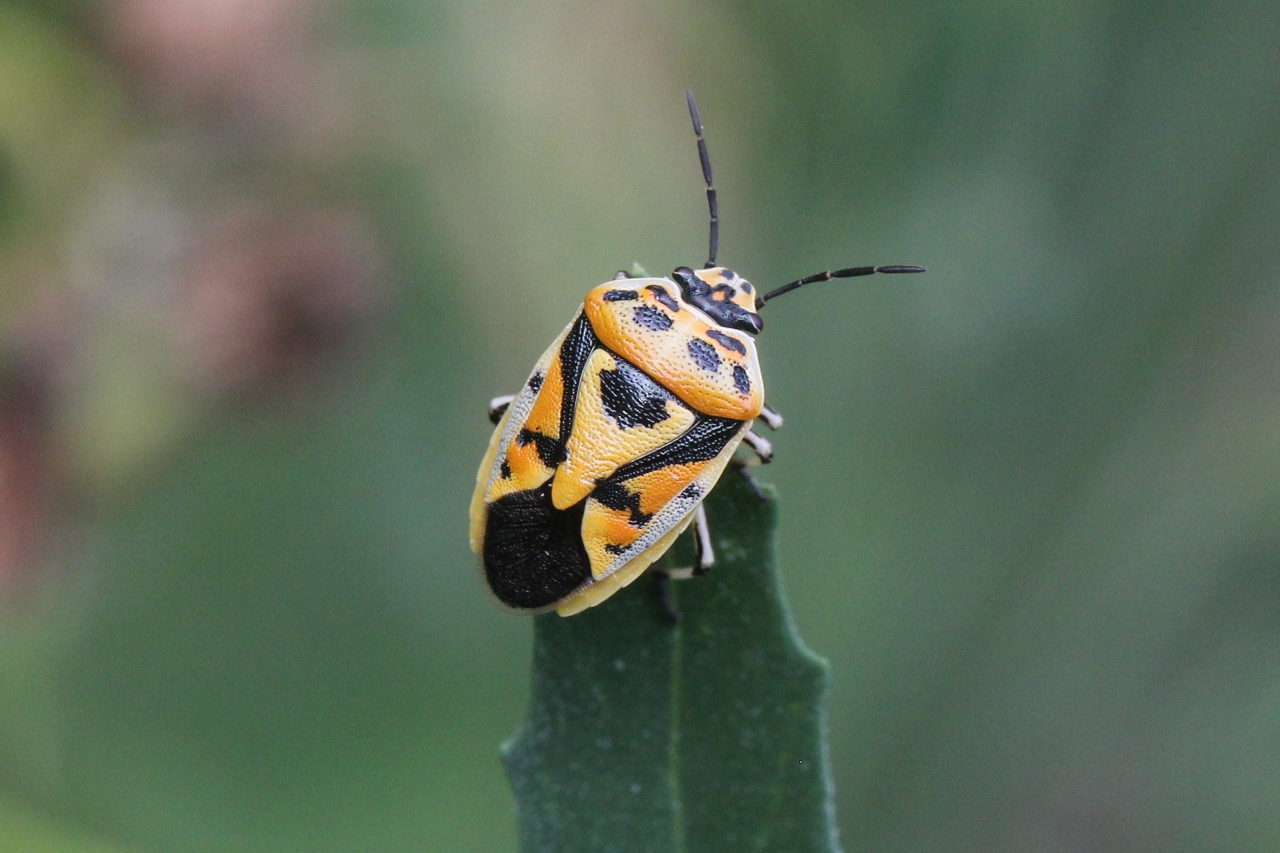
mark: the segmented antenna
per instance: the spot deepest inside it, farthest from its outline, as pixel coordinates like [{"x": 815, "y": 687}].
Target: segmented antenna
[
  {"x": 706, "y": 176},
  {"x": 830, "y": 274}
]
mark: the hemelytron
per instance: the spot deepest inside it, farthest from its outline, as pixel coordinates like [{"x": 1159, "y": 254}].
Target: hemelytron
[{"x": 625, "y": 424}]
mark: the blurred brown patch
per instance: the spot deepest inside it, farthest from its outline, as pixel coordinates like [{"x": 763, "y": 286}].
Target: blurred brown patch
[
  {"x": 268, "y": 300},
  {"x": 221, "y": 54},
  {"x": 26, "y": 468}
]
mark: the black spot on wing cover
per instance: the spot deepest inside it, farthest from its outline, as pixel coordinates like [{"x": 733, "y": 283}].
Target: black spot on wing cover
[
  {"x": 741, "y": 380},
  {"x": 651, "y": 318},
  {"x": 631, "y": 398},
  {"x": 613, "y": 494},
  {"x": 704, "y": 355},
  {"x": 731, "y": 344},
  {"x": 551, "y": 451},
  {"x": 533, "y": 553},
  {"x": 660, "y": 293}
]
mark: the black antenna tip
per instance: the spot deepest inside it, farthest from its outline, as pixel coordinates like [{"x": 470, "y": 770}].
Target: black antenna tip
[
  {"x": 901, "y": 268},
  {"x": 705, "y": 160}
]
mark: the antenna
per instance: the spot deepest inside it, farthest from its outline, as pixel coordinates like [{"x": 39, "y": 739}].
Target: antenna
[
  {"x": 827, "y": 275},
  {"x": 706, "y": 176}
]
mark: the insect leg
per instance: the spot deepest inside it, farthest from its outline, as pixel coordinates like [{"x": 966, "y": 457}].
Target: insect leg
[
  {"x": 621, "y": 274},
  {"x": 705, "y": 555},
  {"x": 704, "y": 559},
  {"x": 498, "y": 406},
  {"x": 772, "y": 417},
  {"x": 662, "y": 588},
  {"x": 760, "y": 446},
  {"x": 745, "y": 473}
]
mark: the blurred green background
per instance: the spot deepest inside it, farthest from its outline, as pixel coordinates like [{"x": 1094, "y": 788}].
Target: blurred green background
[{"x": 263, "y": 264}]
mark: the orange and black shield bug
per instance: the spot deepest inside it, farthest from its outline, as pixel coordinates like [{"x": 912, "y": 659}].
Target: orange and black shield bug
[{"x": 625, "y": 424}]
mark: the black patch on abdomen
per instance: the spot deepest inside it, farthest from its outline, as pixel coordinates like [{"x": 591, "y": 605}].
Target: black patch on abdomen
[
  {"x": 704, "y": 355},
  {"x": 727, "y": 342},
  {"x": 651, "y": 318},
  {"x": 533, "y": 552},
  {"x": 631, "y": 398}
]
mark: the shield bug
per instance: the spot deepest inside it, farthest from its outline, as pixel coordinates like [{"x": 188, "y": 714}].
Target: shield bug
[{"x": 625, "y": 424}]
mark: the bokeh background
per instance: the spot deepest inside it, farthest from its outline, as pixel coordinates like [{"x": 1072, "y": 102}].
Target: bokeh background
[{"x": 263, "y": 263}]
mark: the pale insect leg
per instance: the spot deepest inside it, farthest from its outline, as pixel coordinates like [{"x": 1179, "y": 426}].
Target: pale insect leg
[
  {"x": 498, "y": 407},
  {"x": 760, "y": 446},
  {"x": 705, "y": 555},
  {"x": 703, "y": 561}
]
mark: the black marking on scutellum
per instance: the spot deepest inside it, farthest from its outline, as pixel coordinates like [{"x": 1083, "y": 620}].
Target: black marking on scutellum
[
  {"x": 660, "y": 293},
  {"x": 741, "y": 381},
  {"x": 651, "y": 318},
  {"x": 533, "y": 552},
  {"x": 535, "y": 382},
  {"x": 615, "y": 495},
  {"x": 727, "y": 342},
  {"x": 631, "y": 398},
  {"x": 704, "y": 355},
  {"x": 620, "y": 296}
]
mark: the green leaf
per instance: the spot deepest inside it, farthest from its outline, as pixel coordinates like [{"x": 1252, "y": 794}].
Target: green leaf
[{"x": 707, "y": 736}]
